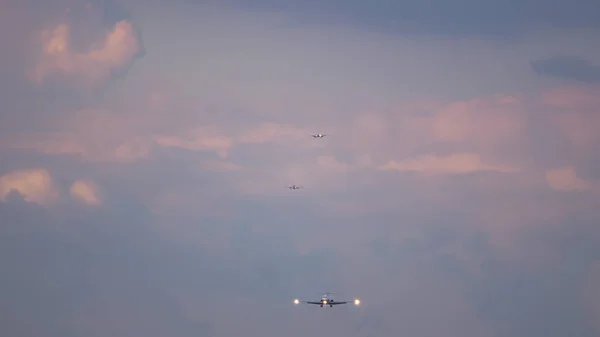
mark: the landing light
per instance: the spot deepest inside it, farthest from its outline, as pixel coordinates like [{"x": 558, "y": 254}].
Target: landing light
[
  {"x": 324, "y": 302},
  {"x": 296, "y": 301},
  {"x": 356, "y": 302}
]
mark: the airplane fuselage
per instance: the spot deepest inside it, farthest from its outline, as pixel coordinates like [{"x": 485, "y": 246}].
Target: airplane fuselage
[{"x": 327, "y": 301}]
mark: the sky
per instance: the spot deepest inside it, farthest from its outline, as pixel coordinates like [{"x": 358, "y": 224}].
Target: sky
[{"x": 146, "y": 148}]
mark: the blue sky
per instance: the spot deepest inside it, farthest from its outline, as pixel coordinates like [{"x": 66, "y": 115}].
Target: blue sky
[
  {"x": 460, "y": 17},
  {"x": 146, "y": 147}
]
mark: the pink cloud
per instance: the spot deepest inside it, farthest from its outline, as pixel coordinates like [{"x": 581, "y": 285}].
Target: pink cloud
[
  {"x": 487, "y": 121},
  {"x": 204, "y": 138},
  {"x": 34, "y": 185},
  {"x": 490, "y": 125},
  {"x": 437, "y": 138},
  {"x": 475, "y": 129},
  {"x": 458, "y": 163},
  {"x": 38, "y": 186},
  {"x": 272, "y": 132},
  {"x": 566, "y": 179},
  {"x": 57, "y": 55},
  {"x": 86, "y": 191},
  {"x": 484, "y": 122},
  {"x": 93, "y": 147}
]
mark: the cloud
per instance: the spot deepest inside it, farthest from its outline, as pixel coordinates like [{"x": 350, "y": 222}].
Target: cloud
[
  {"x": 38, "y": 186},
  {"x": 188, "y": 157},
  {"x": 86, "y": 191},
  {"x": 491, "y": 124},
  {"x": 272, "y": 132},
  {"x": 57, "y": 56},
  {"x": 34, "y": 185},
  {"x": 570, "y": 68},
  {"x": 67, "y": 45},
  {"x": 484, "y": 120},
  {"x": 97, "y": 145},
  {"x": 205, "y": 138},
  {"x": 459, "y": 163},
  {"x": 566, "y": 179}
]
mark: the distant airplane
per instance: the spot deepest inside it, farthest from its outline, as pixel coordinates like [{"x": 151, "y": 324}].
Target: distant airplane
[
  {"x": 294, "y": 187},
  {"x": 319, "y": 135},
  {"x": 326, "y": 300}
]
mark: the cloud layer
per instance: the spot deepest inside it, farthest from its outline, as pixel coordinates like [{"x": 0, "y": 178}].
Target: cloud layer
[
  {"x": 96, "y": 65},
  {"x": 143, "y": 182}
]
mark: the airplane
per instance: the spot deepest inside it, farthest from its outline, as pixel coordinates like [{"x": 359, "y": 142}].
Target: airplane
[
  {"x": 294, "y": 187},
  {"x": 326, "y": 300},
  {"x": 319, "y": 135}
]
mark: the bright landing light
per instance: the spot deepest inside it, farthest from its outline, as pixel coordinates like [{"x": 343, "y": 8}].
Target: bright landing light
[
  {"x": 296, "y": 301},
  {"x": 356, "y": 302}
]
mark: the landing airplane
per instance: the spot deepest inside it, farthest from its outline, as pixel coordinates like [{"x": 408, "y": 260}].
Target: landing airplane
[
  {"x": 319, "y": 135},
  {"x": 294, "y": 187},
  {"x": 327, "y": 300}
]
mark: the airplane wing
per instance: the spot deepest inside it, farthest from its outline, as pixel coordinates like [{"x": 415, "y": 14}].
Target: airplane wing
[
  {"x": 355, "y": 301},
  {"x": 297, "y": 301},
  {"x": 328, "y": 303}
]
